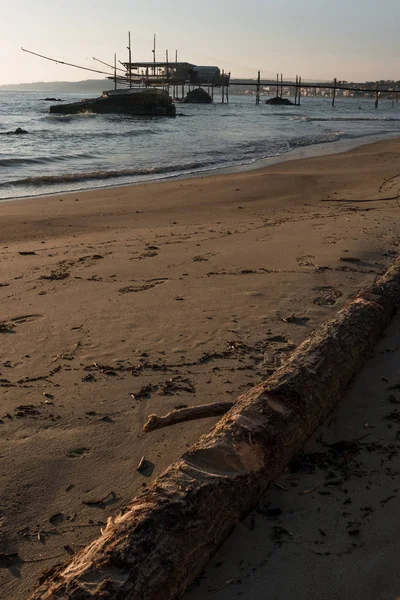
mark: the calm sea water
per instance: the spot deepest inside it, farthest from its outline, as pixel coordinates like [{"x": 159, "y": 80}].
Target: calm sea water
[{"x": 74, "y": 152}]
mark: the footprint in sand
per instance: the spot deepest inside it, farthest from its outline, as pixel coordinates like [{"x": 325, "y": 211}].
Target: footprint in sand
[
  {"x": 328, "y": 296},
  {"x": 9, "y": 326},
  {"x": 62, "y": 269},
  {"x": 141, "y": 287},
  {"x": 26, "y": 318},
  {"x": 203, "y": 257},
  {"x": 148, "y": 254},
  {"x": 59, "y": 273},
  {"x": 330, "y": 240},
  {"x": 306, "y": 261}
]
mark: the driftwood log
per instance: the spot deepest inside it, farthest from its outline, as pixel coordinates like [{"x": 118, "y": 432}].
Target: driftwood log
[
  {"x": 166, "y": 536},
  {"x": 190, "y": 413}
]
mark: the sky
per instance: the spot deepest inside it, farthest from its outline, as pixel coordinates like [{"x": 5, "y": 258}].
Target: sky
[{"x": 353, "y": 40}]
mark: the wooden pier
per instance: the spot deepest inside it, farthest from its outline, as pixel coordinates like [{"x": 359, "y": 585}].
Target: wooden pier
[{"x": 298, "y": 85}]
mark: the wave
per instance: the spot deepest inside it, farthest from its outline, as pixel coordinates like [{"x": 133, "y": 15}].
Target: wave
[
  {"x": 245, "y": 153},
  {"x": 348, "y": 119},
  {"x": 41, "y": 160},
  {"x": 84, "y": 134},
  {"x": 104, "y": 174}
]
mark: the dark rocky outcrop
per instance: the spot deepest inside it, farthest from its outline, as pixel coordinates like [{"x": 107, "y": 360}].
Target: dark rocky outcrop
[
  {"x": 52, "y": 99},
  {"x": 18, "y": 131},
  {"x": 197, "y": 96},
  {"x": 146, "y": 103},
  {"x": 278, "y": 101}
]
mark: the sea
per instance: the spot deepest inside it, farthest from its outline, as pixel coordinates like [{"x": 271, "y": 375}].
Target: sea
[{"x": 67, "y": 153}]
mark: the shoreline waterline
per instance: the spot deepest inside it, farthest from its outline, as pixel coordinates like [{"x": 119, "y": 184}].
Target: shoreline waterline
[{"x": 339, "y": 146}]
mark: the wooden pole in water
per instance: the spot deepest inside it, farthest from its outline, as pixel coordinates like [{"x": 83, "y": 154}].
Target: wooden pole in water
[
  {"x": 115, "y": 71},
  {"x": 154, "y": 55},
  {"x": 228, "y": 78},
  {"x": 295, "y": 90},
  {"x": 167, "y": 70},
  {"x": 377, "y": 95},
  {"x": 299, "y": 90},
  {"x": 258, "y": 88},
  {"x": 281, "y": 85},
  {"x": 334, "y": 91},
  {"x": 223, "y": 90},
  {"x": 176, "y": 74},
  {"x": 130, "y": 59},
  {"x": 277, "y": 85}
]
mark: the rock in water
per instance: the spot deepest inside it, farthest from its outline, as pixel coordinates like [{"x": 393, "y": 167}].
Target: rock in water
[
  {"x": 18, "y": 131},
  {"x": 278, "y": 101},
  {"x": 197, "y": 96},
  {"x": 143, "y": 102}
]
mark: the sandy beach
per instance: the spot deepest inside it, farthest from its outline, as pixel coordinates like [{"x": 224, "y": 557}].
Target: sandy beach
[
  {"x": 329, "y": 527},
  {"x": 123, "y": 302}
]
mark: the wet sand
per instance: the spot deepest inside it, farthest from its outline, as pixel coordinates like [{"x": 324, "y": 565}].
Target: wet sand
[{"x": 123, "y": 302}]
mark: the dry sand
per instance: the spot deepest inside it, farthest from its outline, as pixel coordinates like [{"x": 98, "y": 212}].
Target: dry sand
[{"x": 140, "y": 299}]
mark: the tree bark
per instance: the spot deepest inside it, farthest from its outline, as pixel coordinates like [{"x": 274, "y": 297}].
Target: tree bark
[
  {"x": 166, "y": 536},
  {"x": 191, "y": 413}
]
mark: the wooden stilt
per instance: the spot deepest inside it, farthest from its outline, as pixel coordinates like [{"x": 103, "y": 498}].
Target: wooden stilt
[
  {"x": 130, "y": 59},
  {"x": 115, "y": 71},
  {"x": 258, "y": 88},
  {"x": 377, "y": 95},
  {"x": 295, "y": 90},
  {"x": 277, "y": 85},
  {"x": 281, "y": 85},
  {"x": 154, "y": 55},
  {"x": 176, "y": 75},
  {"x": 299, "y": 90},
  {"x": 167, "y": 71},
  {"x": 334, "y": 91}
]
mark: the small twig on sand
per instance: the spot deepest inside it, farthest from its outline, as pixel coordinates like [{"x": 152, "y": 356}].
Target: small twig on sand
[
  {"x": 187, "y": 414},
  {"x": 142, "y": 464},
  {"x": 221, "y": 587},
  {"x": 110, "y": 496},
  {"x": 44, "y": 558}
]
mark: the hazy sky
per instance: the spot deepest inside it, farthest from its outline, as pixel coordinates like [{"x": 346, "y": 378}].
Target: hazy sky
[{"x": 349, "y": 39}]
